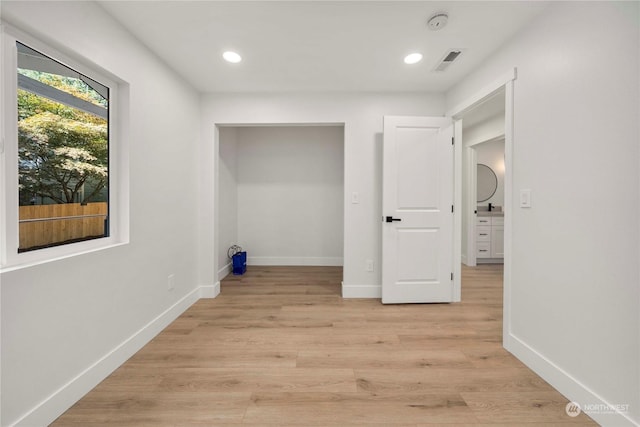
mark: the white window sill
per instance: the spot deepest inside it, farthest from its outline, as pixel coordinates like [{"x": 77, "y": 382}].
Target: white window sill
[{"x": 19, "y": 264}]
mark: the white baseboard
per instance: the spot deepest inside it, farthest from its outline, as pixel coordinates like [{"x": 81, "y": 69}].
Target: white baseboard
[
  {"x": 466, "y": 261},
  {"x": 224, "y": 271},
  {"x": 569, "y": 386},
  {"x": 210, "y": 291},
  {"x": 297, "y": 261},
  {"x": 62, "y": 399},
  {"x": 361, "y": 291}
]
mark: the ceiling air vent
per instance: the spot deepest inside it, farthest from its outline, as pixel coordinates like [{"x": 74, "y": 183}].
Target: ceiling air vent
[{"x": 448, "y": 59}]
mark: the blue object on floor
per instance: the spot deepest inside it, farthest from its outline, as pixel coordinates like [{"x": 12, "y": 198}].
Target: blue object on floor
[{"x": 239, "y": 263}]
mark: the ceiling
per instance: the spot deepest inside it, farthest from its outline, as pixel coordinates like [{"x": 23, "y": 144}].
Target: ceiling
[{"x": 308, "y": 46}]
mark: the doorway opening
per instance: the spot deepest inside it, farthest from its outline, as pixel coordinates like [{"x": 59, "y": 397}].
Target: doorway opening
[
  {"x": 483, "y": 170},
  {"x": 483, "y": 182},
  {"x": 497, "y": 116},
  {"x": 280, "y": 195},
  {"x": 485, "y": 230}
]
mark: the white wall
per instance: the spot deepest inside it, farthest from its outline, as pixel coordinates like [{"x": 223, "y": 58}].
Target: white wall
[
  {"x": 491, "y": 128},
  {"x": 492, "y": 154},
  {"x": 290, "y": 194},
  {"x": 574, "y": 293},
  {"x": 228, "y": 188},
  {"x": 362, "y": 116},
  {"x": 85, "y": 313}
]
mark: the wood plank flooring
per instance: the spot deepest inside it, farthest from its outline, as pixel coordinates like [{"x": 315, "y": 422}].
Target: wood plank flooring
[{"x": 279, "y": 346}]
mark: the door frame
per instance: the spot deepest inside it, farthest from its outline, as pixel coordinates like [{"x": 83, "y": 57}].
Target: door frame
[
  {"x": 472, "y": 200},
  {"x": 506, "y": 82}
]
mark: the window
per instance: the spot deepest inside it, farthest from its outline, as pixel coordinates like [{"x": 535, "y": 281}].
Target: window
[
  {"x": 58, "y": 161},
  {"x": 63, "y": 153}
]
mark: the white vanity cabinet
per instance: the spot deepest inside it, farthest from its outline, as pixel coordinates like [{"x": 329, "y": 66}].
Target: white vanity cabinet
[
  {"x": 490, "y": 237},
  {"x": 483, "y": 237},
  {"x": 497, "y": 237}
]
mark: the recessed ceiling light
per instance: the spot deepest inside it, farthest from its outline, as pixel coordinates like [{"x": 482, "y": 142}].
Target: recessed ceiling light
[
  {"x": 232, "y": 57},
  {"x": 413, "y": 58}
]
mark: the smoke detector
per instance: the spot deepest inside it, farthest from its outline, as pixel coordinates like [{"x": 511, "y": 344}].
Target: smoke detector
[{"x": 438, "y": 21}]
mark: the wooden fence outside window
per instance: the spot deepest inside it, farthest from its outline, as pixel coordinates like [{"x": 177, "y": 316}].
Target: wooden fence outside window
[{"x": 46, "y": 225}]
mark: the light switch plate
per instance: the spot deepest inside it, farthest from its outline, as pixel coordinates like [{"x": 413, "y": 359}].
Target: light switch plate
[
  {"x": 369, "y": 265},
  {"x": 355, "y": 197},
  {"x": 525, "y": 198}
]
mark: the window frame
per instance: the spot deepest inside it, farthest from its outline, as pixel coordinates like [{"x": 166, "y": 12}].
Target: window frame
[{"x": 10, "y": 258}]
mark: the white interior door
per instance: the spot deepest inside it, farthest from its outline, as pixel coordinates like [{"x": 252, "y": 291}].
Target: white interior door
[{"x": 417, "y": 202}]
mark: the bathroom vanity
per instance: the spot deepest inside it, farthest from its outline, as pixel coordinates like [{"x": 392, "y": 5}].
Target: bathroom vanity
[
  {"x": 490, "y": 237},
  {"x": 489, "y": 234}
]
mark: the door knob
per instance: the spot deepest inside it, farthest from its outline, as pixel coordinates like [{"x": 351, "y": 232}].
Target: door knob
[{"x": 391, "y": 219}]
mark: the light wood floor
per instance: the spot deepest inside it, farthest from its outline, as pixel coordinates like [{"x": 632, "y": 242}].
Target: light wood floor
[{"x": 280, "y": 346}]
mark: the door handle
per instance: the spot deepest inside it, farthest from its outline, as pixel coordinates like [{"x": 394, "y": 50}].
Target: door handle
[{"x": 391, "y": 219}]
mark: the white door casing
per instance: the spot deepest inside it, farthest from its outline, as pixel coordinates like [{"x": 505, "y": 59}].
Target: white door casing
[{"x": 417, "y": 206}]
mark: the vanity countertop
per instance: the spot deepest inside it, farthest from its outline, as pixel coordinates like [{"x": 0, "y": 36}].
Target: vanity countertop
[{"x": 492, "y": 213}]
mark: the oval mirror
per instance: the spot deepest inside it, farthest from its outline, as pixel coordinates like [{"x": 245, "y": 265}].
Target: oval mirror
[{"x": 487, "y": 182}]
